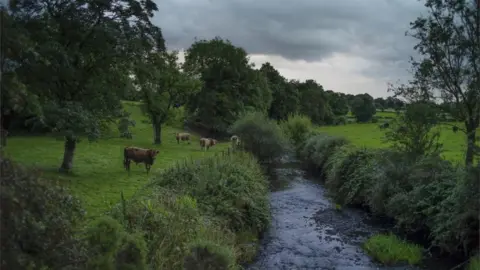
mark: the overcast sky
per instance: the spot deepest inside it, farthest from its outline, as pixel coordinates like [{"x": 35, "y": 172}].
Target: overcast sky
[{"x": 350, "y": 46}]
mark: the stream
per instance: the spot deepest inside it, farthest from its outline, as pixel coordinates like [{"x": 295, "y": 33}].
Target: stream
[{"x": 307, "y": 232}]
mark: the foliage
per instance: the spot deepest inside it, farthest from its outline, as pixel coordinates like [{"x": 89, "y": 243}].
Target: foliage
[
  {"x": 124, "y": 125},
  {"x": 230, "y": 84},
  {"x": 388, "y": 182},
  {"x": 337, "y": 102},
  {"x": 447, "y": 40},
  {"x": 38, "y": 221},
  {"x": 89, "y": 49},
  {"x": 413, "y": 132},
  {"x": 347, "y": 175},
  {"x": 163, "y": 84},
  {"x": 261, "y": 136},
  {"x": 363, "y": 108},
  {"x": 232, "y": 186},
  {"x": 206, "y": 255},
  {"x": 285, "y": 96},
  {"x": 297, "y": 128},
  {"x": 313, "y": 101},
  {"x": 198, "y": 204},
  {"x": 391, "y": 250},
  {"x": 317, "y": 148}
]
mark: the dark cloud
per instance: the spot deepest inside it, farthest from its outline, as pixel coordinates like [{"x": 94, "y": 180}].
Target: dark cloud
[{"x": 310, "y": 30}]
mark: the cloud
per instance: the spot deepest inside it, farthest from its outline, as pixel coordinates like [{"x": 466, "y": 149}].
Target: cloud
[{"x": 361, "y": 41}]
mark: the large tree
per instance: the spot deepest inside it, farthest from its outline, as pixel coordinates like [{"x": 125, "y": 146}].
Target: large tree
[
  {"x": 449, "y": 67},
  {"x": 230, "y": 84},
  {"x": 162, "y": 85},
  {"x": 363, "y": 107},
  {"x": 338, "y": 102},
  {"x": 74, "y": 58},
  {"x": 313, "y": 102},
  {"x": 285, "y": 96}
]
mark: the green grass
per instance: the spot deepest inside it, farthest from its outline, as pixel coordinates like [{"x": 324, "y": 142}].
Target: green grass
[
  {"x": 371, "y": 136},
  {"x": 390, "y": 250},
  {"x": 474, "y": 263},
  {"x": 98, "y": 175}
]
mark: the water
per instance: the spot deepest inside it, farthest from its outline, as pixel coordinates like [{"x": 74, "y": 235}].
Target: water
[{"x": 307, "y": 232}]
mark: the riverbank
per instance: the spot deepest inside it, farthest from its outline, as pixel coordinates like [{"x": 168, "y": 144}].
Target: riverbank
[{"x": 426, "y": 196}]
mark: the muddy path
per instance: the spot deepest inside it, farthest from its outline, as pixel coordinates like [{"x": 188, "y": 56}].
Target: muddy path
[{"x": 307, "y": 232}]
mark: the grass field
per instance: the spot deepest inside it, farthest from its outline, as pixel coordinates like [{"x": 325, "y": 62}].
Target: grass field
[
  {"x": 370, "y": 135},
  {"x": 98, "y": 176}
]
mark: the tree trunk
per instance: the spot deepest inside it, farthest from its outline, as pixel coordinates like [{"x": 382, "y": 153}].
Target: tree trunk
[
  {"x": 471, "y": 140},
  {"x": 69, "y": 151},
  {"x": 157, "y": 134}
]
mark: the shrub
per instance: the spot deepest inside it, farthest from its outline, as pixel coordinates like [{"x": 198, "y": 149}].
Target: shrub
[
  {"x": 38, "y": 221},
  {"x": 207, "y": 255},
  {"x": 390, "y": 250},
  {"x": 199, "y": 201},
  {"x": 428, "y": 182},
  {"x": 232, "y": 186},
  {"x": 168, "y": 222},
  {"x": 261, "y": 136},
  {"x": 455, "y": 226},
  {"x": 341, "y": 120},
  {"x": 348, "y": 174},
  {"x": 375, "y": 119},
  {"x": 103, "y": 237},
  {"x": 132, "y": 253},
  {"x": 297, "y": 127},
  {"x": 318, "y": 148}
]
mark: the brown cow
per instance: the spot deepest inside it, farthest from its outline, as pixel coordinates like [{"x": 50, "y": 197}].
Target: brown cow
[
  {"x": 139, "y": 155},
  {"x": 182, "y": 137},
  {"x": 206, "y": 143}
]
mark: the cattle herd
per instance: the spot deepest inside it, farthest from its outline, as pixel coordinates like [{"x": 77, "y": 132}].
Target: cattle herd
[{"x": 147, "y": 156}]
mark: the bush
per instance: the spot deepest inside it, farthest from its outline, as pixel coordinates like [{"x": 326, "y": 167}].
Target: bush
[
  {"x": 131, "y": 254},
  {"x": 347, "y": 174},
  {"x": 169, "y": 222},
  {"x": 455, "y": 226},
  {"x": 375, "y": 119},
  {"x": 391, "y": 250},
  {"x": 208, "y": 201},
  {"x": 297, "y": 127},
  {"x": 341, "y": 120},
  {"x": 103, "y": 237},
  {"x": 38, "y": 221},
  {"x": 209, "y": 256},
  {"x": 231, "y": 186},
  {"x": 261, "y": 136},
  {"x": 317, "y": 148}
]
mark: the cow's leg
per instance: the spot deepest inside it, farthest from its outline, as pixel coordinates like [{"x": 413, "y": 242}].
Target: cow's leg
[
  {"x": 127, "y": 165},
  {"x": 147, "y": 167}
]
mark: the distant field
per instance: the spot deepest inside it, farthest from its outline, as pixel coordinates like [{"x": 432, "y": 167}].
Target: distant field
[
  {"x": 99, "y": 176},
  {"x": 370, "y": 135}
]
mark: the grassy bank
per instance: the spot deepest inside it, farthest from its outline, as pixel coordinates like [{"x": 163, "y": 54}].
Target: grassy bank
[
  {"x": 428, "y": 194},
  {"x": 99, "y": 176}
]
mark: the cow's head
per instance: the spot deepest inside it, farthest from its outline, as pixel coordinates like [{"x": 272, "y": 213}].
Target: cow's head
[
  {"x": 214, "y": 141},
  {"x": 153, "y": 153}
]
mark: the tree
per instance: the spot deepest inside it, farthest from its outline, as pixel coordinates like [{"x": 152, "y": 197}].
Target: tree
[
  {"x": 380, "y": 103},
  {"x": 163, "y": 84},
  {"x": 449, "y": 70},
  {"x": 74, "y": 58},
  {"x": 313, "y": 102},
  {"x": 338, "y": 103},
  {"x": 363, "y": 108},
  {"x": 413, "y": 132},
  {"x": 284, "y": 95},
  {"x": 230, "y": 84}
]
